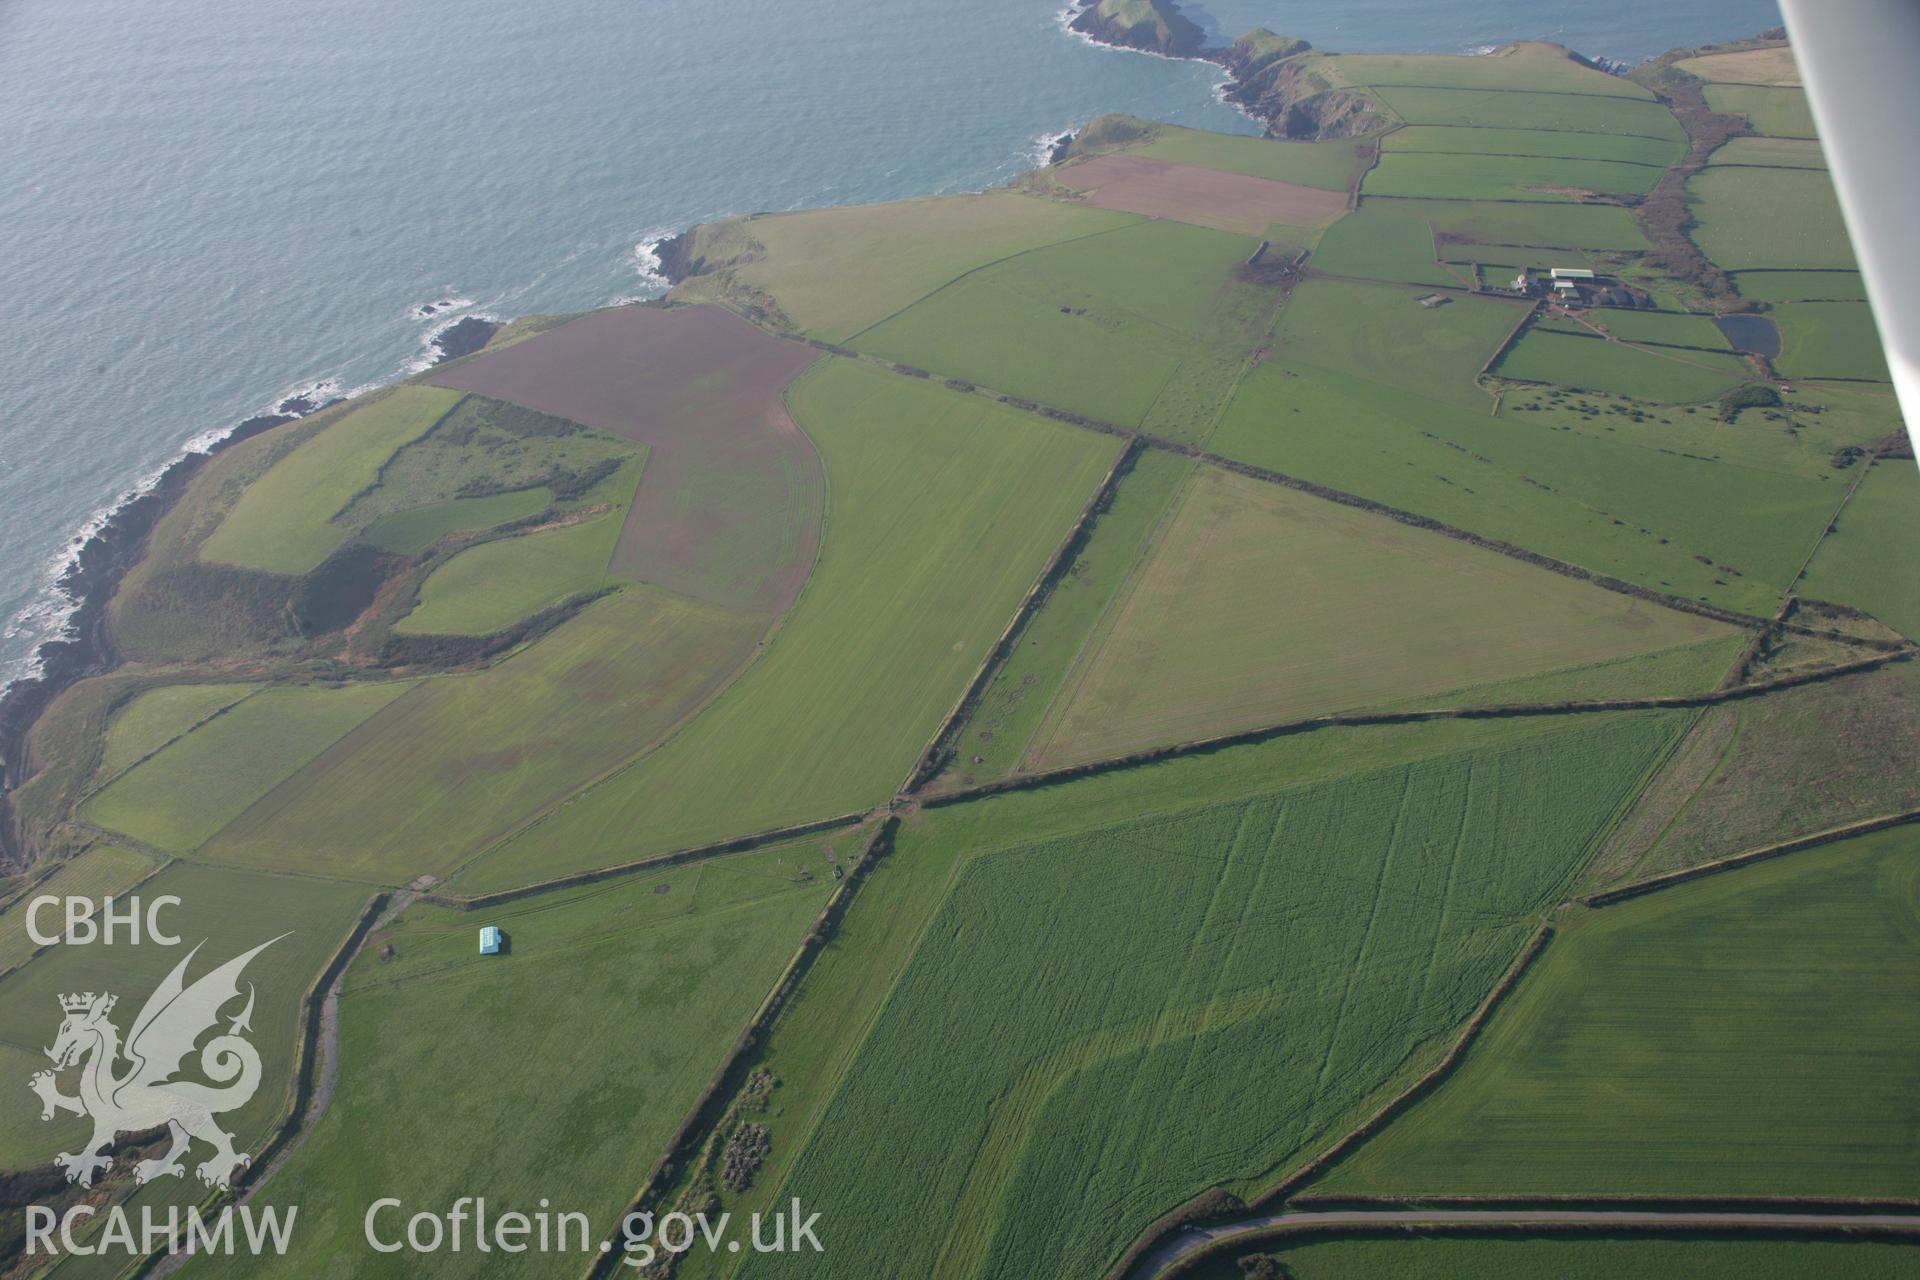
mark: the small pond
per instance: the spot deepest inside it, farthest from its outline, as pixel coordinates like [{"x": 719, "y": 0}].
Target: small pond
[{"x": 1751, "y": 333}]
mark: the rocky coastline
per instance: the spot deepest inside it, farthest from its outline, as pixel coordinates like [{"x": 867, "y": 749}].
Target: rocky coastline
[{"x": 103, "y": 561}]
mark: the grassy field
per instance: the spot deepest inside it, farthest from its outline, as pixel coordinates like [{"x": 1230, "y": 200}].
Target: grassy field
[
  {"x": 1131, "y": 1047},
  {"x": 953, "y": 516},
  {"x": 1865, "y": 561},
  {"x": 232, "y": 912},
  {"x": 180, "y": 797},
  {"x": 1777, "y": 111},
  {"x": 995, "y": 739},
  {"x": 489, "y": 587},
  {"x": 1456, "y": 140},
  {"x": 630, "y": 990},
  {"x": 1536, "y": 223},
  {"x": 152, "y": 719},
  {"x": 1576, "y": 477},
  {"x": 1381, "y": 332},
  {"x": 1786, "y": 218},
  {"x": 1770, "y": 153},
  {"x": 1100, "y": 326},
  {"x": 412, "y": 531},
  {"x": 1663, "y": 327},
  {"x": 1754, "y": 1033},
  {"x": 281, "y": 524},
  {"x": 1596, "y": 365},
  {"x": 1581, "y": 1256},
  {"x": 834, "y": 272},
  {"x": 1331, "y": 165},
  {"x": 101, "y": 871},
  {"x": 1526, "y": 66},
  {"x": 1756, "y": 772},
  {"x": 1749, "y": 66},
  {"x": 1502, "y": 177},
  {"x": 1353, "y": 609},
  {"x": 464, "y": 760},
  {"x": 1375, "y": 243},
  {"x": 1498, "y": 109},
  {"x": 1829, "y": 340},
  {"x": 1799, "y": 286}
]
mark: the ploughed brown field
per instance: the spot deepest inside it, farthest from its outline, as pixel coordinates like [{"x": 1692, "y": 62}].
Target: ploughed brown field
[
  {"x": 1204, "y": 197},
  {"x": 730, "y": 503}
]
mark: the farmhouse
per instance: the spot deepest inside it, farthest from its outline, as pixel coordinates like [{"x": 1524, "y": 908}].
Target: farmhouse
[{"x": 490, "y": 940}]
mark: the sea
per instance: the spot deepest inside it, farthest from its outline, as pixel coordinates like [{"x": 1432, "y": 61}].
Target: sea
[{"x": 208, "y": 206}]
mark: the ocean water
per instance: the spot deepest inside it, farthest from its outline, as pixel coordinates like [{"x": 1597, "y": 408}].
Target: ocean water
[{"x": 209, "y": 205}]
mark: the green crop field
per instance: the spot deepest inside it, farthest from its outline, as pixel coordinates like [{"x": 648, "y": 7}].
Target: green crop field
[
  {"x": 1779, "y": 111},
  {"x": 1354, "y": 609},
  {"x": 1526, "y": 67},
  {"x": 231, "y": 912},
  {"x": 101, "y": 871},
  {"x": 1331, "y": 165},
  {"x": 1653, "y": 502},
  {"x": 1664, "y": 327},
  {"x": 489, "y": 587},
  {"x": 1753, "y": 1033},
  {"x": 834, "y": 272},
  {"x": 1382, "y": 332},
  {"x": 1753, "y": 773},
  {"x": 1828, "y": 340},
  {"x": 815, "y": 1038},
  {"x": 1595, "y": 364},
  {"x": 188, "y": 791},
  {"x": 1561, "y": 143},
  {"x": 464, "y": 760},
  {"x": 1580, "y": 1256},
  {"x": 1800, "y": 286},
  {"x": 1102, "y": 326},
  {"x": 1865, "y": 561},
  {"x": 1770, "y": 153},
  {"x": 1132, "y": 1047},
  {"x": 631, "y": 989},
  {"x": 1376, "y": 243},
  {"x": 281, "y": 524},
  {"x": 1518, "y": 222},
  {"x": 1497, "y": 109},
  {"x": 412, "y": 531},
  {"x": 1502, "y": 177},
  {"x": 1787, "y": 218},
  {"x": 956, "y": 515},
  {"x": 998, "y": 732},
  {"x": 152, "y": 719}
]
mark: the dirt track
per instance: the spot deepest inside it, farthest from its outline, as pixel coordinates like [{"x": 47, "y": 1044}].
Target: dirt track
[
  {"x": 730, "y": 501},
  {"x": 1204, "y": 197}
]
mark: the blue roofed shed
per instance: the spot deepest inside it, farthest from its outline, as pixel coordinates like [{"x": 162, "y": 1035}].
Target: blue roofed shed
[{"x": 490, "y": 940}]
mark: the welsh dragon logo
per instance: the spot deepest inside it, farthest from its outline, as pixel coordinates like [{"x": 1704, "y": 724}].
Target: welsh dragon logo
[{"x": 146, "y": 1095}]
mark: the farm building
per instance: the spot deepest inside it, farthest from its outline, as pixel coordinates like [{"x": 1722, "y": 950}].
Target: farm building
[
  {"x": 490, "y": 940},
  {"x": 1570, "y": 273},
  {"x": 1435, "y": 300}
]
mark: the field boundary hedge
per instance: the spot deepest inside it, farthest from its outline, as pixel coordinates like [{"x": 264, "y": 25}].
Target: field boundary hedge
[
  {"x": 313, "y": 1007},
  {"x": 1387, "y": 1111},
  {"x": 1201, "y": 746},
  {"x": 717, "y": 1097},
  {"x": 659, "y": 862},
  {"x": 939, "y": 751},
  {"x": 1667, "y": 880}
]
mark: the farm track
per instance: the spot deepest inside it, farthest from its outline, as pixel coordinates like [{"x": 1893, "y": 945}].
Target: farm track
[{"x": 1190, "y": 1244}]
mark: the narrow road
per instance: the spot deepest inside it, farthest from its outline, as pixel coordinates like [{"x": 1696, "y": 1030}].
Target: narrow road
[{"x": 1184, "y": 1244}]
